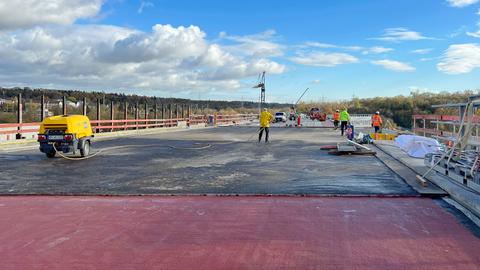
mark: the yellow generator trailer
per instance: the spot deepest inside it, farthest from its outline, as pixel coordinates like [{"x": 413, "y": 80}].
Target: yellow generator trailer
[{"x": 65, "y": 133}]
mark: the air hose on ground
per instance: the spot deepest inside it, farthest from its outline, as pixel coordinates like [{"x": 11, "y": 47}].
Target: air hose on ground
[
  {"x": 75, "y": 158},
  {"x": 127, "y": 146},
  {"x": 206, "y": 146}
]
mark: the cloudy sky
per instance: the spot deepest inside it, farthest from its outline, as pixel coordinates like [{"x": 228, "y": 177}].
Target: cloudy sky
[{"x": 215, "y": 49}]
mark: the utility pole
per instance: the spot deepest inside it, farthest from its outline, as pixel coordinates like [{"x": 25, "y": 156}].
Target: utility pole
[
  {"x": 64, "y": 107},
  {"x": 19, "y": 115},
  {"x": 84, "y": 106},
  {"x": 42, "y": 108}
]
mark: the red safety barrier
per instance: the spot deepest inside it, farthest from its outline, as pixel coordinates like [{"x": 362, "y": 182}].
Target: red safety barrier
[
  {"x": 98, "y": 125},
  {"x": 126, "y": 124},
  {"x": 439, "y": 117},
  {"x": 434, "y": 125},
  {"x": 234, "y": 119},
  {"x": 18, "y": 128}
]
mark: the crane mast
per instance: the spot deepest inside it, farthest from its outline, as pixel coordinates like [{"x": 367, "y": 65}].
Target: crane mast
[{"x": 261, "y": 85}]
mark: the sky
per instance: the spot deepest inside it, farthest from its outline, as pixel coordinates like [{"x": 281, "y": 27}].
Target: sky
[{"x": 216, "y": 49}]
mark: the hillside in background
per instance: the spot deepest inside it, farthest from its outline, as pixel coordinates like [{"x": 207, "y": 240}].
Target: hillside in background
[
  {"x": 399, "y": 108},
  {"x": 32, "y": 97},
  {"x": 74, "y": 96}
]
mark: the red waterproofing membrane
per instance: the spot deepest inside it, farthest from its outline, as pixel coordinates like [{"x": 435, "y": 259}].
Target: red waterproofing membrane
[{"x": 231, "y": 233}]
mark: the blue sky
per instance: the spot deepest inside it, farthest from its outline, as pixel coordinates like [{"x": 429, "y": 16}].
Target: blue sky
[{"x": 215, "y": 49}]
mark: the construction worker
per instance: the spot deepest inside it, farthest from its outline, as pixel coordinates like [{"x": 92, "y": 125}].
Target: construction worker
[
  {"x": 344, "y": 118},
  {"x": 265, "y": 119},
  {"x": 377, "y": 121},
  {"x": 336, "y": 119}
]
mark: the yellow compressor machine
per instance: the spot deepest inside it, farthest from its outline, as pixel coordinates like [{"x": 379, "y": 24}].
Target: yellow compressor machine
[{"x": 65, "y": 133}]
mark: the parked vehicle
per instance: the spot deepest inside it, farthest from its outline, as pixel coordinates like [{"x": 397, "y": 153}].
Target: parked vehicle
[
  {"x": 281, "y": 117},
  {"x": 315, "y": 114}
]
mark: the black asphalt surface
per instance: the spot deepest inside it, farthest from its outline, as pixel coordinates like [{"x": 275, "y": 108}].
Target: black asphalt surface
[{"x": 234, "y": 164}]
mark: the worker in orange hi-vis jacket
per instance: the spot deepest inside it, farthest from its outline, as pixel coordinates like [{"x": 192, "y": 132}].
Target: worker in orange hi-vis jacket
[
  {"x": 377, "y": 122},
  {"x": 336, "y": 119}
]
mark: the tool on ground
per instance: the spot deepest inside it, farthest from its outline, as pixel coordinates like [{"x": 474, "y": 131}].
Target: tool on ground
[{"x": 256, "y": 133}]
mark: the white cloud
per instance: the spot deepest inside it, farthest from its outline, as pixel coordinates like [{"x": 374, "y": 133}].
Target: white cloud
[
  {"x": 377, "y": 50},
  {"x": 259, "y": 45},
  {"x": 353, "y": 48},
  {"x": 461, "y": 3},
  {"x": 108, "y": 57},
  {"x": 394, "y": 65},
  {"x": 459, "y": 31},
  {"x": 422, "y": 51},
  {"x": 319, "y": 45},
  {"x": 478, "y": 12},
  {"x": 323, "y": 59},
  {"x": 316, "y": 81},
  {"x": 460, "y": 58},
  {"x": 400, "y": 34},
  {"x": 143, "y": 5},
  {"x": 475, "y": 34},
  {"x": 365, "y": 50},
  {"x": 426, "y": 59},
  {"x": 27, "y": 13}
]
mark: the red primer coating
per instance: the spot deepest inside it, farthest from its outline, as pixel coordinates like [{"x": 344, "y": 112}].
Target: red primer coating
[{"x": 231, "y": 233}]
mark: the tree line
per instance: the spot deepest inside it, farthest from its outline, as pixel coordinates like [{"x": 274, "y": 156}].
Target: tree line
[
  {"x": 75, "y": 96},
  {"x": 398, "y": 108}
]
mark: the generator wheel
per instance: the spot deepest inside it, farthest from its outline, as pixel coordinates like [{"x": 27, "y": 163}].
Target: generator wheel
[
  {"x": 50, "y": 154},
  {"x": 85, "y": 150}
]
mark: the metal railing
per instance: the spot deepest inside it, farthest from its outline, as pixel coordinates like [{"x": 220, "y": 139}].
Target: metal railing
[
  {"x": 17, "y": 131},
  {"x": 434, "y": 125},
  {"x": 361, "y": 120}
]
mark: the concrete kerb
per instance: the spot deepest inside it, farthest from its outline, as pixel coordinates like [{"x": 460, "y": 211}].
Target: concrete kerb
[{"x": 30, "y": 144}]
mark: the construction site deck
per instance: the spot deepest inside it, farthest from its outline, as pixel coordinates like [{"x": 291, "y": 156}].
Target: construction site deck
[{"x": 216, "y": 198}]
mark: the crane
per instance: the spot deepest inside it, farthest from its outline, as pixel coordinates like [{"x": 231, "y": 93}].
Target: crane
[
  {"x": 261, "y": 85},
  {"x": 295, "y": 105}
]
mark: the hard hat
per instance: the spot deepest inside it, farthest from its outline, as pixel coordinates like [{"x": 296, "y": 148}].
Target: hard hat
[
  {"x": 264, "y": 109},
  {"x": 337, "y": 110},
  {"x": 377, "y": 112}
]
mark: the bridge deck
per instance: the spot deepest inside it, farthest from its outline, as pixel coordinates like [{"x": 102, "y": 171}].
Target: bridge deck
[
  {"x": 367, "y": 231},
  {"x": 291, "y": 164}
]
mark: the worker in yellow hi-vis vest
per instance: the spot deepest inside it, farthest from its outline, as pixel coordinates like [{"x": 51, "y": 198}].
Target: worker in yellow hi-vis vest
[{"x": 265, "y": 119}]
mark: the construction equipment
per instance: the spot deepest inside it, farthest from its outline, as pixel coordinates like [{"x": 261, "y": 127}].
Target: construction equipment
[
  {"x": 315, "y": 114},
  {"x": 64, "y": 134},
  {"x": 261, "y": 85},
  {"x": 296, "y": 103}
]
